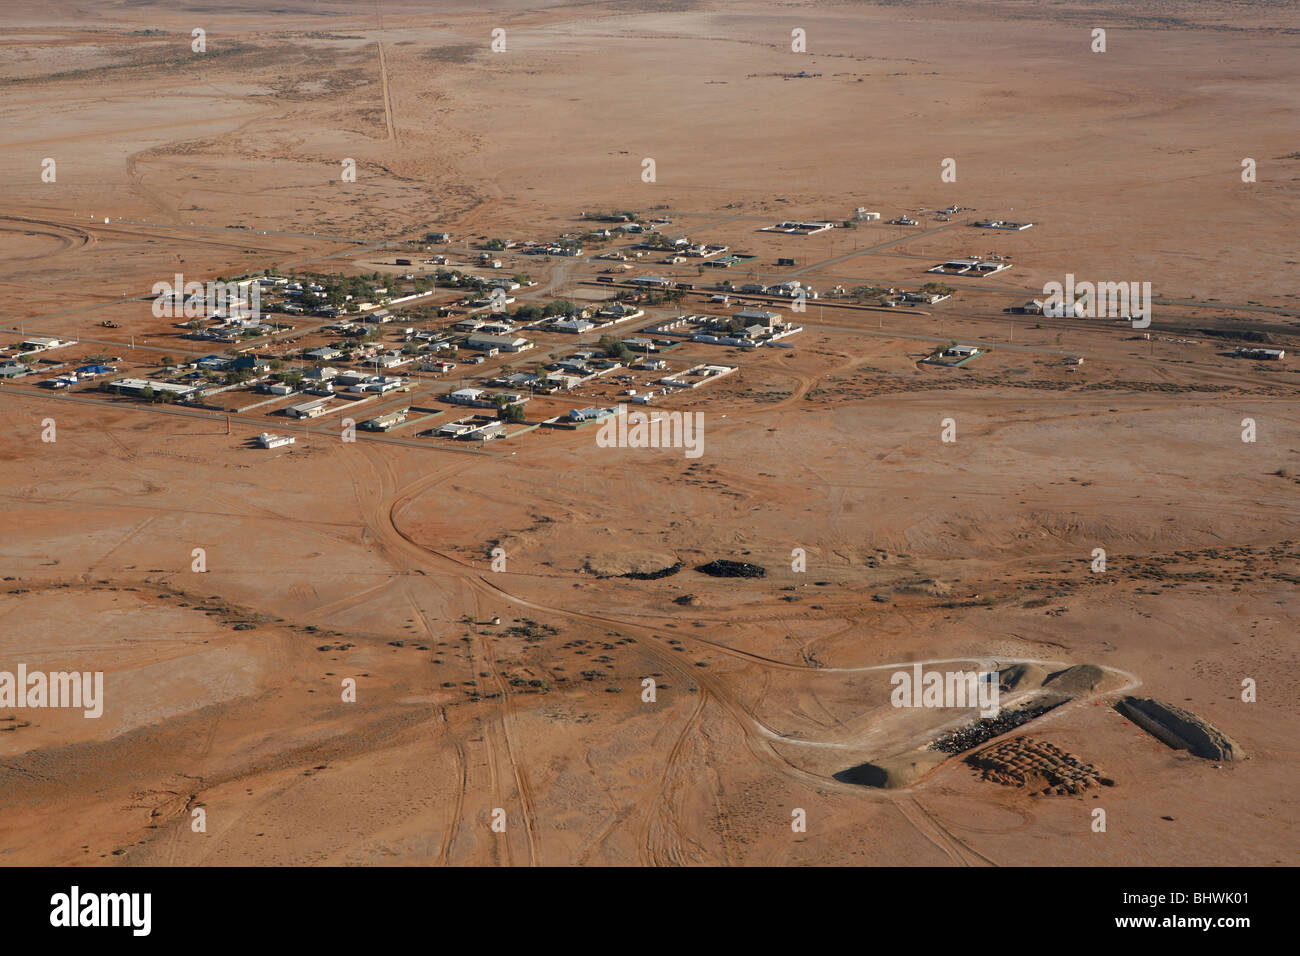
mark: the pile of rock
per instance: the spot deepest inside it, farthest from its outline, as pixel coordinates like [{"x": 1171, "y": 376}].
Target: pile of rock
[{"x": 1044, "y": 768}]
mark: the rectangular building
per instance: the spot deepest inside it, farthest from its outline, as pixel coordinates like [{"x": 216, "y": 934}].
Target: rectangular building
[
  {"x": 505, "y": 343},
  {"x": 313, "y": 409}
]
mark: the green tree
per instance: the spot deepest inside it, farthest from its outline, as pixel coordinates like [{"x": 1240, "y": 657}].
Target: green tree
[{"x": 615, "y": 349}]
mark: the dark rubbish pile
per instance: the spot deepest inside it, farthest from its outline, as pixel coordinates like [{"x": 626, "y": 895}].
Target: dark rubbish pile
[
  {"x": 653, "y": 575},
  {"x": 731, "y": 569},
  {"x": 986, "y": 728}
]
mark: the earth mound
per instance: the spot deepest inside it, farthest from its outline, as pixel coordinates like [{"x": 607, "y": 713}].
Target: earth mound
[
  {"x": 641, "y": 565},
  {"x": 928, "y": 586},
  {"x": 892, "y": 772},
  {"x": 1021, "y": 675},
  {"x": 1180, "y": 729},
  {"x": 1078, "y": 679}
]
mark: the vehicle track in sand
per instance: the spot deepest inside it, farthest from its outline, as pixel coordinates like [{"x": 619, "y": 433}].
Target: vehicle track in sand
[
  {"x": 616, "y": 819},
  {"x": 929, "y": 826},
  {"x": 174, "y": 836},
  {"x": 660, "y": 840},
  {"x": 494, "y": 783},
  {"x": 522, "y": 783},
  {"x": 453, "y": 822},
  {"x": 67, "y": 236},
  {"x": 140, "y": 526},
  {"x": 388, "y": 100}
]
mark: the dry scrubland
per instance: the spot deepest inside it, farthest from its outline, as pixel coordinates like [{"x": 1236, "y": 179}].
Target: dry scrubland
[{"x": 372, "y": 560}]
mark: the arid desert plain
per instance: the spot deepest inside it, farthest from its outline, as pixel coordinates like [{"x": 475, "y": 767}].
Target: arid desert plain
[{"x": 427, "y": 634}]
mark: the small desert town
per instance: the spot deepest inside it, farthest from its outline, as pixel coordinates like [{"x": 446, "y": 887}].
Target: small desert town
[{"x": 634, "y": 434}]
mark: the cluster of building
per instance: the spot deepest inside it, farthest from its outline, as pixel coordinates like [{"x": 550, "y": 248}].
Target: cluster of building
[
  {"x": 592, "y": 319},
  {"x": 793, "y": 228},
  {"x": 32, "y": 346},
  {"x": 679, "y": 250},
  {"x": 954, "y": 355},
  {"x": 696, "y": 375},
  {"x": 893, "y": 298},
  {"x": 1001, "y": 224},
  {"x": 298, "y": 297},
  {"x": 580, "y": 415},
  {"x": 1256, "y": 352},
  {"x": 562, "y": 375},
  {"x": 976, "y": 267},
  {"x": 78, "y": 375},
  {"x": 747, "y": 328},
  {"x": 570, "y": 248},
  {"x": 472, "y": 428},
  {"x": 481, "y": 398},
  {"x": 791, "y": 289},
  {"x": 225, "y": 328}
]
